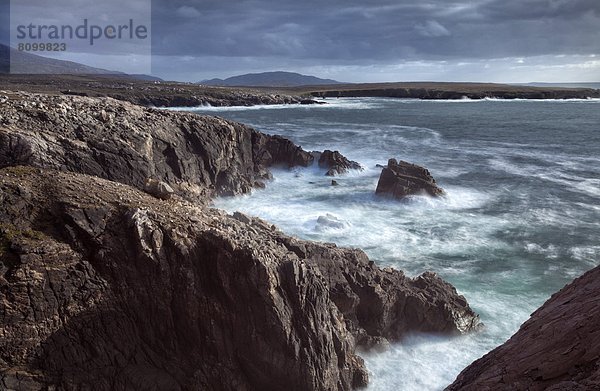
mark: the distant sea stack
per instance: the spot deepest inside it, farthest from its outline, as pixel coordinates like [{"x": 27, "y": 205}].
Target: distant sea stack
[
  {"x": 402, "y": 179},
  {"x": 558, "y": 348},
  {"x": 104, "y": 286}
]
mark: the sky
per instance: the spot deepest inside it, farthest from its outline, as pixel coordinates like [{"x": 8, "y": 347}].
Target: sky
[{"x": 367, "y": 41}]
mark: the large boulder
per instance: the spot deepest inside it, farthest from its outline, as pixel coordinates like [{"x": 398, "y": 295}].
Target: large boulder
[
  {"x": 402, "y": 179},
  {"x": 105, "y": 287},
  {"x": 557, "y": 349}
]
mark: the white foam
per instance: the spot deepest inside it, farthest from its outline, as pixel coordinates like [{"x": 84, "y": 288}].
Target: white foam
[{"x": 330, "y": 103}]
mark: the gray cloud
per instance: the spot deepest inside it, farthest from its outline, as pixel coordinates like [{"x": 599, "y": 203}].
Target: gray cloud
[
  {"x": 382, "y": 30},
  {"x": 206, "y": 38},
  {"x": 431, "y": 28}
]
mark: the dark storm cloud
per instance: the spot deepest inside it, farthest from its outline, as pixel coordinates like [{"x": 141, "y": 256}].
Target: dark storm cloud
[{"x": 381, "y": 31}]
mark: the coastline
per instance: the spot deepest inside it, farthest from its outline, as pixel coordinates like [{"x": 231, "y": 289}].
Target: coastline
[{"x": 176, "y": 94}]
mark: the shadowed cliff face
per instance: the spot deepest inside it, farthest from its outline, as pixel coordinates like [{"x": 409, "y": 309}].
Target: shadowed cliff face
[
  {"x": 558, "y": 348},
  {"x": 113, "y": 289},
  {"x": 199, "y": 156}
]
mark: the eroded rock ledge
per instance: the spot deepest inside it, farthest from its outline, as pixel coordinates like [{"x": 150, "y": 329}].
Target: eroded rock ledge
[
  {"x": 107, "y": 287},
  {"x": 557, "y": 349}
]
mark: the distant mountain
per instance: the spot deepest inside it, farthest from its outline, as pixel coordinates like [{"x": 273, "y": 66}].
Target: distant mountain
[
  {"x": 270, "y": 79},
  {"x": 27, "y": 63}
]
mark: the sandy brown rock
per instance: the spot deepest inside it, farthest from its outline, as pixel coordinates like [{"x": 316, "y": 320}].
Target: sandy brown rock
[
  {"x": 557, "y": 349},
  {"x": 105, "y": 287},
  {"x": 402, "y": 179}
]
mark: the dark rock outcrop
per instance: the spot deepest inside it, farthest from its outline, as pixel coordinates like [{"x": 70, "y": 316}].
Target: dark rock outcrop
[
  {"x": 275, "y": 150},
  {"x": 105, "y": 287},
  {"x": 401, "y": 179},
  {"x": 198, "y": 156},
  {"x": 335, "y": 163},
  {"x": 558, "y": 348}
]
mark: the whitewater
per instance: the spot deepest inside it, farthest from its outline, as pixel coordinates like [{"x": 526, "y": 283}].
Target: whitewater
[{"x": 520, "y": 220}]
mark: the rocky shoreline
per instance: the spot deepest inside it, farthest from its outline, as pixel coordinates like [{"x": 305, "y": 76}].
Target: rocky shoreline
[
  {"x": 147, "y": 93},
  {"x": 105, "y": 286},
  {"x": 450, "y": 91},
  {"x": 175, "y": 94},
  {"x": 108, "y": 287}
]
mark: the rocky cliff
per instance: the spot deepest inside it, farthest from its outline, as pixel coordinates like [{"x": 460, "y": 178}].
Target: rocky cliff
[
  {"x": 199, "y": 156},
  {"x": 105, "y": 287},
  {"x": 558, "y": 348}
]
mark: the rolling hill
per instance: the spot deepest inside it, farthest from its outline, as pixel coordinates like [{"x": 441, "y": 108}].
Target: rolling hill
[{"x": 270, "y": 79}]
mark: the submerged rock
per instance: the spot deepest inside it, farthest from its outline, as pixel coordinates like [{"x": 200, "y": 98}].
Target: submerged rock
[
  {"x": 336, "y": 163},
  {"x": 402, "y": 179},
  {"x": 558, "y": 348},
  {"x": 329, "y": 221},
  {"x": 105, "y": 287}
]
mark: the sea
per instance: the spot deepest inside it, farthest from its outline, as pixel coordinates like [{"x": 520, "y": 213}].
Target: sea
[{"x": 521, "y": 217}]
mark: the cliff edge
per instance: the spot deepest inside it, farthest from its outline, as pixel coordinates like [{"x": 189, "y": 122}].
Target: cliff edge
[{"x": 558, "y": 348}]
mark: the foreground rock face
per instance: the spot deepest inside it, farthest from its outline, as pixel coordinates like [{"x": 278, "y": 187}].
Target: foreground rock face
[
  {"x": 198, "y": 156},
  {"x": 558, "y": 348},
  {"x": 335, "y": 163},
  {"x": 105, "y": 287},
  {"x": 402, "y": 179}
]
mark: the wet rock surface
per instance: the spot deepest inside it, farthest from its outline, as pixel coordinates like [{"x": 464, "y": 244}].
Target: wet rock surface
[
  {"x": 111, "y": 288},
  {"x": 401, "y": 179},
  {"x": 558, "y": 348}
]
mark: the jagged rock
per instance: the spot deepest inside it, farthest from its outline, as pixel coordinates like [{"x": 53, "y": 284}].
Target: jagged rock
[
  {"x": 158, "y": 189},
  {"x": 336, "y": 163},
  {"x": 334, "y": 183},
  {"x": 198, "y": 156},
  {"x": 105, "y": 287},
  {"x": 275, "y": 150},
  {"x": 557, "y": 349},
  {"x": 401, "y": 179}
]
